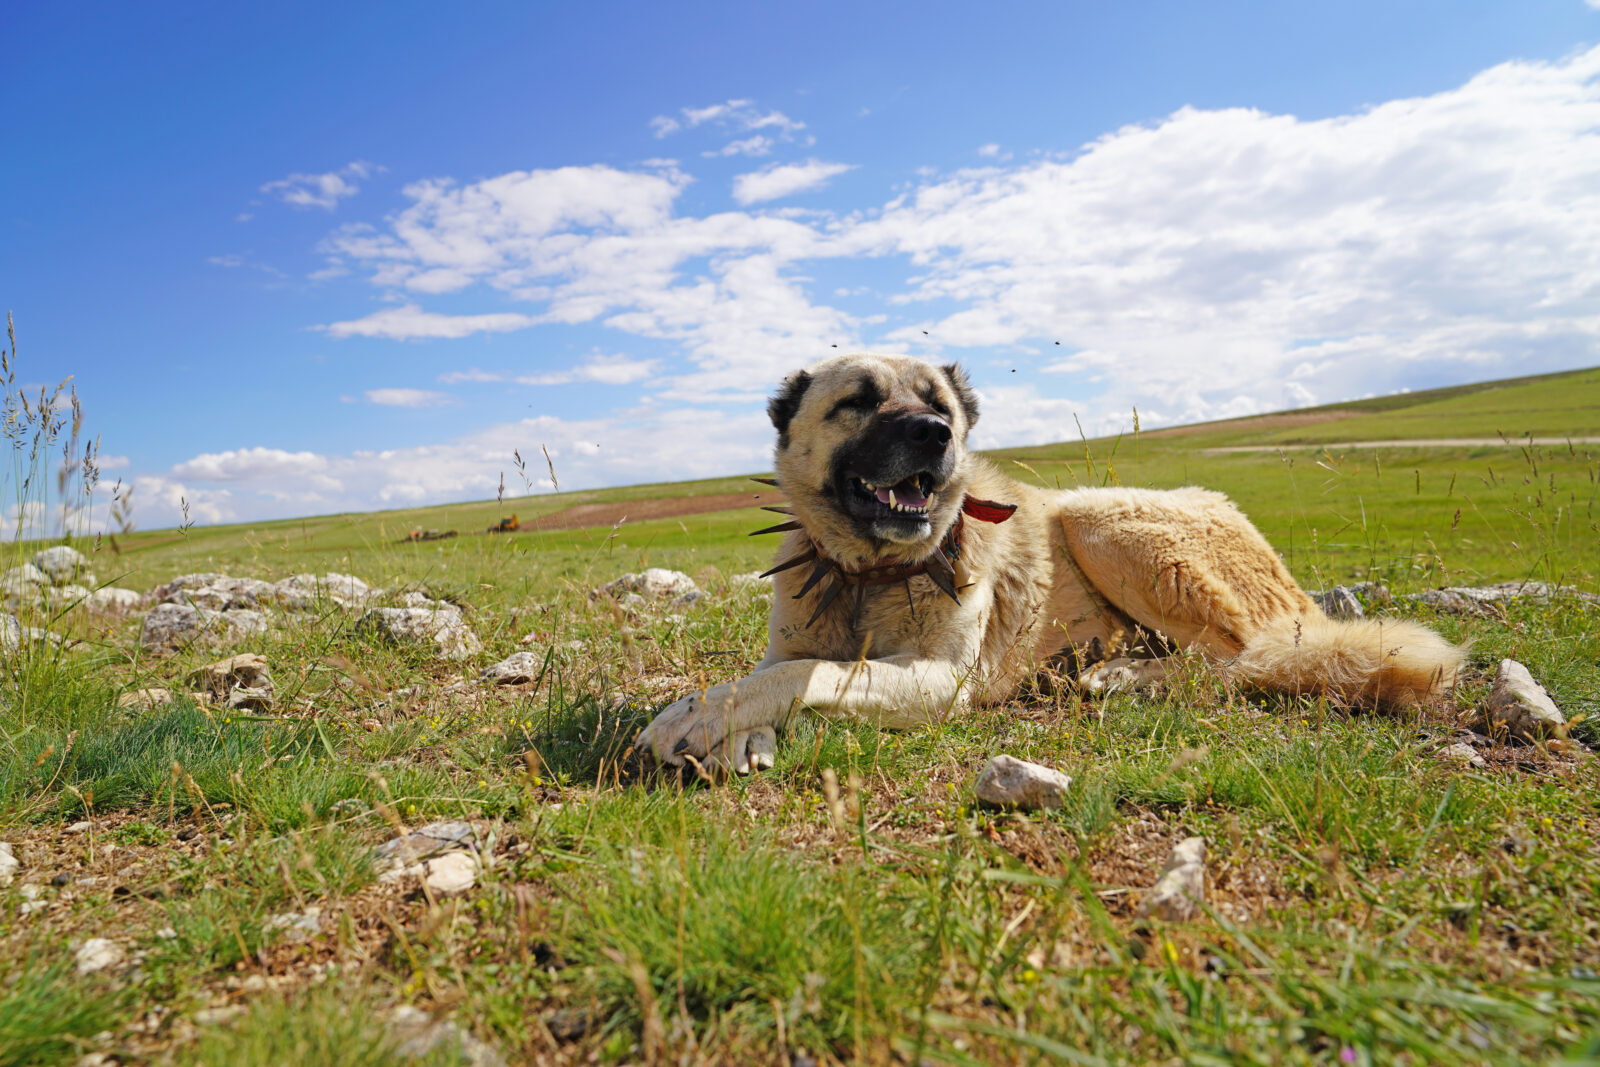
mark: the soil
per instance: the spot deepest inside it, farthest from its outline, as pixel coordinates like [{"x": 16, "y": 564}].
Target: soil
[
  {"x": 580, "y": 516},
  {"x": 1285, "y": 420}
]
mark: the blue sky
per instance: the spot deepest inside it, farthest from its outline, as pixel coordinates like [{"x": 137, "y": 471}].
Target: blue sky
[{"x": 309, "y": 258}]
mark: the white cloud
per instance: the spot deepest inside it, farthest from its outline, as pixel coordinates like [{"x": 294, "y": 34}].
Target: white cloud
[
  {"x": 408, "y": 398},
  {"x": 1207, "y": 264},
  {"x": 604, "y": 370},
  {"x": 785, "y": 180},
  {"x": 734, "y": 114},
  {"x": 599, "y": 369},
  {"x": 247, "y": 463},
  {"x": 989, "y": 150},
  {"x": 321, "y": 190},
  {"x": 473, "y": 374},
  {"x": 749, "y": 146},
  {"x": 410, "y": 322},
  {"x": 659, "y": 445}
]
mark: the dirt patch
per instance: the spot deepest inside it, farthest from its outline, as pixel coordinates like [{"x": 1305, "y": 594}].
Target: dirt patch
[
  {"x": 580, "y": 516},
  {"x": 1284, "y": 420}
]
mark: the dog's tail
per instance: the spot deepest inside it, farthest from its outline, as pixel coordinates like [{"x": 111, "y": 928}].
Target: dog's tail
[{"x": 1362, "y": 661}]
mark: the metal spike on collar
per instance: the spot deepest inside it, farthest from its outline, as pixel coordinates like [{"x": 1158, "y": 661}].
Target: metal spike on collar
[
  {"x": 942, "y": 574},
  {"x": 782, "y": 527},
  {"x": 779, "y": 510},
  {"x": 767, "y": 481},
  {"x": 828, "y": 598},
  {"x": 823, "y": 568},
  {"x": 804, "y": 557},
  {"x": 861, "y": 601},
  {"x": 911, "y": 603}
]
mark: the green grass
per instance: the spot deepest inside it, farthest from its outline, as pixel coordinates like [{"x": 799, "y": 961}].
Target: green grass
[{"x": 1370, "y": 902}]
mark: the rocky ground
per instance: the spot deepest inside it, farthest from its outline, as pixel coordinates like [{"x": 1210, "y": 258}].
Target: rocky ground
[{"x": 226, "y": 796}]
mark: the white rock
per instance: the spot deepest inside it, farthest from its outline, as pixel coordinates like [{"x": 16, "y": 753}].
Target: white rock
[
  {"x": 60, "y": 563},
  {"x": 13, "y": 635},
  {"x": 426, "y": 841},
  {"x": 1474, "y": 600},
  {"x": 304, "y": 592},
  {"x": 174, "y": 626},
  {"x": 186, "y": 581},
  {"x": 1179, "y": 892},
  {"x": 454, "y": 872},
  {"x": 297, "y": 925},
  {"x": 25, "y": 575},
  {"x": 1339, "y": 603},
  {"x": 98, "y": 954},
  {"x": 10, "y": 633},
  {"x": 685, "y": 601},
  {"x": 418, "y": 1036},
  {"x": 145, "y": 699},
  {"x": 654, "y": 583},
  {"x": 515, "y": 669},
  {"x": 62, "y": 597},
  {"x": 1461, "y": 752},
  {"x": 9, "y": 865},
  {"x": 219, "y": 593},
  {"x": 446, "y": 631},
  {"x": 1007, "y": 782},
  {"x": 1520, "y": 707},
  {"x": 242, "y": 681},
  {"x": 114, "y": 599}
]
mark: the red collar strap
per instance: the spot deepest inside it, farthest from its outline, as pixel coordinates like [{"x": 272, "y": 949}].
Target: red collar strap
[{"x": 987, "y": 510}]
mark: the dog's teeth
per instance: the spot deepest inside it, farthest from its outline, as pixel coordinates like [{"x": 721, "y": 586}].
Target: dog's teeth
[{"x": 892, "y": 502}]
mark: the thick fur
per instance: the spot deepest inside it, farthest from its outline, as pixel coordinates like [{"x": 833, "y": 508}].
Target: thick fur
[{"x": 1073, "y": 576}]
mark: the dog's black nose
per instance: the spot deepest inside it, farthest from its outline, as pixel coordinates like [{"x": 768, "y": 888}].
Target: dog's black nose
[{"x": 928, "y": 432}]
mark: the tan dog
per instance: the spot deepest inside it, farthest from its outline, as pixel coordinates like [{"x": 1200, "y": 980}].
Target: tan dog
[{"x": 906, "y": 589}]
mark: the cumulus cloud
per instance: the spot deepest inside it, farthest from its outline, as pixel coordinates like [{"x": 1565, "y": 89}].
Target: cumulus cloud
[
  {"x": 411, "y": 323},
  {"x": 249, "y": 463},
  {"x": 659, "y": 445},
  {"x": 408, "y": 398},
  {"x": 786, "y": 179},
  {"x": 1185, "y": 265},
  {"x": 601, "y": 369},
  {"x": 1206, "y": 264},
  {"x": 321, "y": 190}
]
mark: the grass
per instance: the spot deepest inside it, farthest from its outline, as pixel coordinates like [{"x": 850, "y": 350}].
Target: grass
[{"x": 1370, "y": 902}]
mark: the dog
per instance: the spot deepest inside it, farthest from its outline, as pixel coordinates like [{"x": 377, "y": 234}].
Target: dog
[{"x": 915, "y": 579}]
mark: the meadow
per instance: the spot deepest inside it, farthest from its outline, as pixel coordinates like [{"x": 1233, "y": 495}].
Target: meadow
[{"x": 1370, "y": 901}]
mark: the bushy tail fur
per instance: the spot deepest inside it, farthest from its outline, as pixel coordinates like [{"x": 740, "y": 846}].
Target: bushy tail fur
[{"x": 1364, "y": 661}]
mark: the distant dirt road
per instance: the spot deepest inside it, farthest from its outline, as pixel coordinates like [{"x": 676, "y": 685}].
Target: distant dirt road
[
  {"x": 1420, "y": 442},
  {"x": 610, "y": 513}
]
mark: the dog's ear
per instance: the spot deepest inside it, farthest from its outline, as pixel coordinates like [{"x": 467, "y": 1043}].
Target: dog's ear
[
  {"x": 783, "y": 405},
  {"x": 963, "y": 390}
]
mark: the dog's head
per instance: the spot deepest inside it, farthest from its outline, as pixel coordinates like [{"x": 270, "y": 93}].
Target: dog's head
[{"x": 872, "y": 451}]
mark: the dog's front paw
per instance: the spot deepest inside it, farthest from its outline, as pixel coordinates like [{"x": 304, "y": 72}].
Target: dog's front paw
[{"x": 702, "y": 733}]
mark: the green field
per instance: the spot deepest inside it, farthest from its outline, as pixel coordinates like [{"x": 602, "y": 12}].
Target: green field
[{"x": 1371, "y": 902}]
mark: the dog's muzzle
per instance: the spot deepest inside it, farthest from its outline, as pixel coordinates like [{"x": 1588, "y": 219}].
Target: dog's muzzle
[{"x": 890, "y": 478}]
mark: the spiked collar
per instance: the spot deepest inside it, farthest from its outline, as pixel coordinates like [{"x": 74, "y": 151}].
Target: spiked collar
[{"x": 939, "y": 565}]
